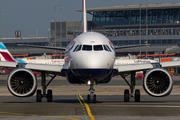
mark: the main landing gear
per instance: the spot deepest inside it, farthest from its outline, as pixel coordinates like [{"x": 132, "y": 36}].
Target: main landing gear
[
  {"x": 91, "y": 96},
  {"x": 135, "y": 94},
  {"x": 40, "y": 95}
]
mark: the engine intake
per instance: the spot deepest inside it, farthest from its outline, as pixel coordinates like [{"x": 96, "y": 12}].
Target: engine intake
[
  {"x": 22, "y": 82},
  {"x": 158, "y": 82}
]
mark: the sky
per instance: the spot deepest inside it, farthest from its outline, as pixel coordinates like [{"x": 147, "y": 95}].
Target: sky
[{"x": 30, "y": 16}]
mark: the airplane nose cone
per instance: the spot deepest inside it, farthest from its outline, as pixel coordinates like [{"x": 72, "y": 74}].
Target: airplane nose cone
[{"x": 97, "y": 67}]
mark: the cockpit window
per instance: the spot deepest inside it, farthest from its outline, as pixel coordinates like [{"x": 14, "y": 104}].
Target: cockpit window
[
  {"x": 108, "y": 48},
  {"x": 98, "y": 48},
  {"x": 105, "y": 48},
  {"x": 87, "y": 47},
  {"x": 77, "y": 48}
]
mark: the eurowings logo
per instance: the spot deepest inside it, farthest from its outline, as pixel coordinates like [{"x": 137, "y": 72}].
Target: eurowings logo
[
  {"x": 5, "y": 54},
  {"x": 7, "y": 57}
]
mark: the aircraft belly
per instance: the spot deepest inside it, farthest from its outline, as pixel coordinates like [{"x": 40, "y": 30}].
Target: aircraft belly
[{"x": 96, "y": 74}]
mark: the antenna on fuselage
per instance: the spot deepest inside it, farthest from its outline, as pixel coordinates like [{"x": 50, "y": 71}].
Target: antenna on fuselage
[{"x": 84, "y": 11}]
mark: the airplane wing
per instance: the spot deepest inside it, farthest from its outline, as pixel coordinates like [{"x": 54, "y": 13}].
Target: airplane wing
[
  {"x": 49, "y": 68},
  {"x": 132, "y": 67},
  {"x": 44, "y": 47},
  {"x": 140, "y": 67},
  {"x": 131, "y": 46}
]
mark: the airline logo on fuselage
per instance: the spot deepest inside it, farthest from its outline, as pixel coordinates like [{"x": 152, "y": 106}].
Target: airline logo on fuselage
[
  {"x": 110, "y": 43},
  {"x": 141, "y": 61},
  {"x": 72, "y": 45}
]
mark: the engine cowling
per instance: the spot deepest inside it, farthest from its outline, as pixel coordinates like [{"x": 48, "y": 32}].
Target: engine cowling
[
  {"x": 22, "y": 82},
  {"x": 157, "y": 82}
]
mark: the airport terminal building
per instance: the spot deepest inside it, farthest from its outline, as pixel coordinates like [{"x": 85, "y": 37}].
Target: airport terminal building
[{"x": 123, "y": 25}]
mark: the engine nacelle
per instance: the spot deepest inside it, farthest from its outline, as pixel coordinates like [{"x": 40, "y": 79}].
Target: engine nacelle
[
  {"x": 22, "y": 82},
  {"x": 157, "y": 82}
]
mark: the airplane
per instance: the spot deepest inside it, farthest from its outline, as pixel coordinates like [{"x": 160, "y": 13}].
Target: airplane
[
  {"x": 5, "y": 55},
  {"x": 9, "y": 57},
  {"x": 89, "y": 59},
  {"x": 61, "y": 61},
  {"x": 173, "y": 49}
]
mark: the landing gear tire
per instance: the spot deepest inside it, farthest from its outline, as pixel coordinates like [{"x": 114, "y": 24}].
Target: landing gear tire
[
  {"x": 88, "y": 98},
  {"x": 49, "y": 96},
  {"x": 38, "y": 96},
  {"x": 126, "y": 95},
  {"x": 137, "y": 95},
  {"x": 94, "y": 98}
]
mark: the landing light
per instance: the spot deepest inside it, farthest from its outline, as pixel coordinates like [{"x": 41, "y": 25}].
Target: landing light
[{"x": 89, "y": 82}]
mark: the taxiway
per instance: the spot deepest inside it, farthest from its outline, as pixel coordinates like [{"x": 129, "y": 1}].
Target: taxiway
[{"x": 67, "y": 104}]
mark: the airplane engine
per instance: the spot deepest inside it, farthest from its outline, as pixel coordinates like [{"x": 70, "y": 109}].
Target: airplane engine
[
  {"x": 22, "y": 82},
  {"x": 157, "y": 82}
]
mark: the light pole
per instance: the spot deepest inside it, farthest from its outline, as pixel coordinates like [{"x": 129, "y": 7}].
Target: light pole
[
  {"x": 55, "y": 24},
  {"x": 36, "y": 33},
  {"x": 140, "y": 30},
  {"x": 60, "y": 44},
  {"x": 146, "y": 24}
]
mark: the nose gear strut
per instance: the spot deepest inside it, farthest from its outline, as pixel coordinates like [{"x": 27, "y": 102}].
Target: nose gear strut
[{"x": 91, "y": 96}]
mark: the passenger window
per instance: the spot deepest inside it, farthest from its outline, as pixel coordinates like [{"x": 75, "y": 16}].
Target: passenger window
[
  {"x": 108, "y": 48},
  {"x": 105, "y": 48},
  {"x": 98, "y": 47},
  {"x": 87, "y": 47},
  {"x": 79, "y": 48},
  {"x": 75, "y": 48}
]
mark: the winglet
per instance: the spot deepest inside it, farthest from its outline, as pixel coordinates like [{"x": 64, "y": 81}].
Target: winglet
[{"x": 84, "y": 11}]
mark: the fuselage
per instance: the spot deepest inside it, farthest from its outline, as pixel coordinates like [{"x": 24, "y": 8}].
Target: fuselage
[{"x": 90, "y": 56}]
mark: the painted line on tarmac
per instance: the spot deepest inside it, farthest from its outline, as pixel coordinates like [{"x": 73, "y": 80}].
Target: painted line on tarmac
[
  {"x": 37, "y": 115},
  {"x": 142, "y": 106},
  {"x": 82, "y": 105},
  {"x": 87, "y": 108}
]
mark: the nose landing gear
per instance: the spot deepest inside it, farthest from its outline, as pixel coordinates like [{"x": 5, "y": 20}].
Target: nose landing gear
[{"x": 91, "y": 96}]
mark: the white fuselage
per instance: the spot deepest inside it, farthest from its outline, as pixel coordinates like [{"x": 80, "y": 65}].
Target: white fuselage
[{"x": 90, "y": 56}]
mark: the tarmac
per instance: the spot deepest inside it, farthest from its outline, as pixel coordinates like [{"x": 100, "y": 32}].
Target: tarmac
[{"x": 68, "y": 105}]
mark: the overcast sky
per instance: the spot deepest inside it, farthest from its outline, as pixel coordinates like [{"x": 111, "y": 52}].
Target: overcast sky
[{"x": 31, "y": 15}]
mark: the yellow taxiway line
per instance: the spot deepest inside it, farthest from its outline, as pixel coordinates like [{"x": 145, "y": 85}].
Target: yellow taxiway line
[{"x": 87, "y": 108}]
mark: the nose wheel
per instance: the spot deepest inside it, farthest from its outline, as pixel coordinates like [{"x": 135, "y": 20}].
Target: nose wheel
[{"x": 91, "y": 96}]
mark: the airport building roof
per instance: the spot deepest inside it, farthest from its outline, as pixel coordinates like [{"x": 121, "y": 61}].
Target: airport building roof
[{"x": 133, "y": 7}]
